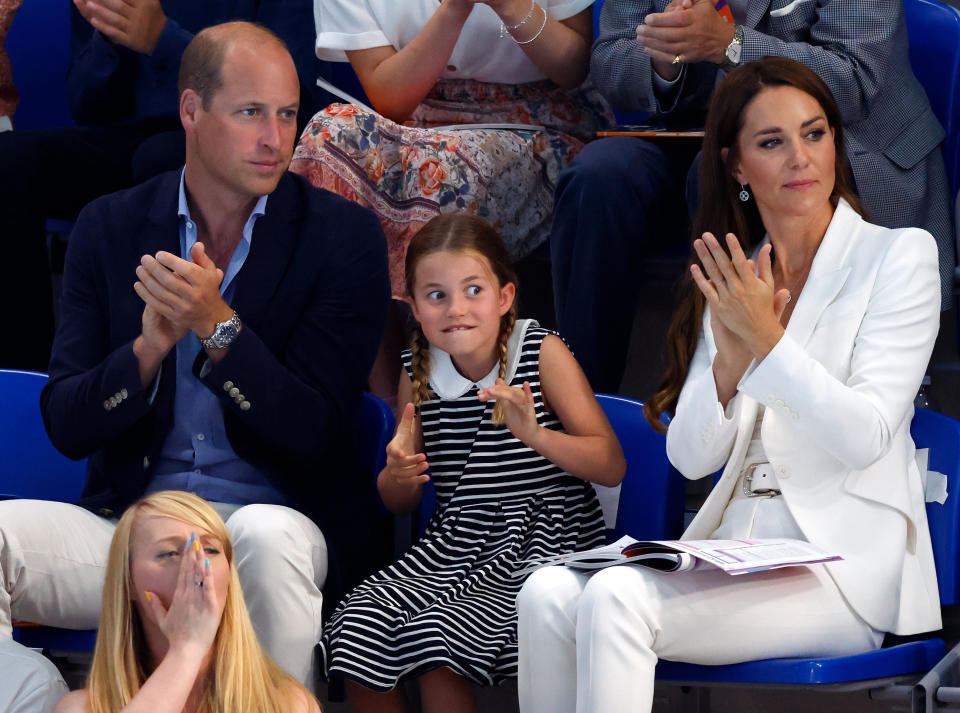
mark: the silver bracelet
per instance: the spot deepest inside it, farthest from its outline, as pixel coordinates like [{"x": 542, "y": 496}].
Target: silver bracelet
[
  {"x": 504, "y": 28},
  {"x": 539, "y": 32}
]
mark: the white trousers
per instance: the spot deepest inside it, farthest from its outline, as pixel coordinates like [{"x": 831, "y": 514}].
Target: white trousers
[
  {"x": 53, "y": 559},
  {"x": 590, "y": 643}
]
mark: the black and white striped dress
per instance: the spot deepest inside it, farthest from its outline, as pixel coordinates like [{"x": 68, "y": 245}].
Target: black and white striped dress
[{"x": 450, "y": 601}]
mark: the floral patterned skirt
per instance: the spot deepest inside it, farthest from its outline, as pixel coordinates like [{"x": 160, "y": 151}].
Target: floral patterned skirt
[
  {"x": 8, "y": 93},
  {"x": 409, "y": 174}
]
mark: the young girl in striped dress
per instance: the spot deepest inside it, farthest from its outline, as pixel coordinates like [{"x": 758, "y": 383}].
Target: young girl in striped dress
[{"x": 500, "y": 413}]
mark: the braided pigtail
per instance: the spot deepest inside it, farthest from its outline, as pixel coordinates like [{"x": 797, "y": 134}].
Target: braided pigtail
[
  {"x": 507, "y": 323},
  {"x": 420, "y": 364}
]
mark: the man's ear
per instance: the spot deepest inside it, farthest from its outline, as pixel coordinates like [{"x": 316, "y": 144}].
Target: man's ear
[{"x": 190, "y": 105}]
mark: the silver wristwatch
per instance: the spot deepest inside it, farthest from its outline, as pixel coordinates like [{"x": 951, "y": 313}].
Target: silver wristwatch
[
  {"x": 223, "y": 334},
  {"x": 732, "y": 55}
]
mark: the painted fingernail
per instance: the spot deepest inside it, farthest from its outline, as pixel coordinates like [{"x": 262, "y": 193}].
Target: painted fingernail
[
  {"x": 206, "y": 562},
  {"x": 196, "y": 545},
  {"x": 149, "y": 598}
]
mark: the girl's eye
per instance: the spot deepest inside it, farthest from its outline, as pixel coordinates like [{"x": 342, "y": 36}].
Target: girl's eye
[
  {"x": 435, "y": 295},
  {"x": 211, "y": 550},
  {"x": 474, "y": 290},
  {"x": 770, "y": 143},
  {"x": 816, "y": 134},
  {"x": 168, "y": 553}
]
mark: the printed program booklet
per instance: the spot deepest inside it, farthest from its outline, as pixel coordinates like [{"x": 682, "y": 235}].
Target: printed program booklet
[{"x": 731, "y": 556}]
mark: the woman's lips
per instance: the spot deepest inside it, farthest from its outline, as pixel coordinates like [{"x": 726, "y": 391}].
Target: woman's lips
[{"x": 799, "y": 185}]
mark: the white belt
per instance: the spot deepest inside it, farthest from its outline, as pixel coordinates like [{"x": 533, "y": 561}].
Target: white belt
[{"x": 759, "y": 479}]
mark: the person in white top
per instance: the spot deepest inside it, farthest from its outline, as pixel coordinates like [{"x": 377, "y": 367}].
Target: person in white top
[
  {"x": 794, "y": 370},
  {"x": 426, "y": 64}
]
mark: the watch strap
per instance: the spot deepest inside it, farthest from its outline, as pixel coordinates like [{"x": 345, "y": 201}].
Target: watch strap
[{"x": 211, "y": 343}]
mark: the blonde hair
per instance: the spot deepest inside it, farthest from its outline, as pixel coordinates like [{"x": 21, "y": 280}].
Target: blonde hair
[
  {"x": 242, "y": 676},
  {"x": 459, "y": 233}
]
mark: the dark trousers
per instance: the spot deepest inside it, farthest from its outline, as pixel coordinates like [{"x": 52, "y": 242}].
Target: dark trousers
[
  {"x": 53, "y": 173},
  {"x": 619, "y": 200}
]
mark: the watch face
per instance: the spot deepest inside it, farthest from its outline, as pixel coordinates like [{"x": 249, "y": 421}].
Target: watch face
[
  {"x": 733, "y": 52},
  {"x": 224, "y": 335}
]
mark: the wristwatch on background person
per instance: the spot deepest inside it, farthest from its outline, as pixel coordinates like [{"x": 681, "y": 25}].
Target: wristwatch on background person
[
  {"x": 731, "y": 58},
  {"x": 223, "y": 334}
]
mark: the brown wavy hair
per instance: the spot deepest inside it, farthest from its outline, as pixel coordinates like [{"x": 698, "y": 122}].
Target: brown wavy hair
[
  {"x": 719, "y": 209},
  {"x": 462, "y": 233}
]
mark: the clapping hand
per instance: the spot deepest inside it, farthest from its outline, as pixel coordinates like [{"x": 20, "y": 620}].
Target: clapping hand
[
  {"x": 404, "y": 465},
  {"x": 742, "y": 298},
  {"x": 185, "y": 292},
  {"x": 692, "y": 30},
  {"x": 191, "y": 621},
  {"x": 135, "y": 24},
  {"x": 519, "y": 412}
]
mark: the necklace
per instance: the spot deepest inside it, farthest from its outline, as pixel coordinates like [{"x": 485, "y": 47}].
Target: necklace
[{"x": 799, "y": 281}]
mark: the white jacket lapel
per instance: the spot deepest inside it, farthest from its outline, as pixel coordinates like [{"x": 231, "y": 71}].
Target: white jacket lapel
[{"x": 825, "y": 279}]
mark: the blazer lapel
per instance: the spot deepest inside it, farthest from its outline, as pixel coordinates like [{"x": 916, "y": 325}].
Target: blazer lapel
[
  {"x": 271, "y": 251},
  {"x": 825, "y": 280},
  {"x": 164, "y": 230},
  {"x": 756, "y": 11}
]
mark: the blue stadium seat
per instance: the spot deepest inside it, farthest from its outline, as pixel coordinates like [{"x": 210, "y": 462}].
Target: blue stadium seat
[
  {"x": 874, "y": 670},
  {"x": 934, "y": 32},
  {"x": 376, "y": 429},
  {"x": 33, "y": 468},
  {"x": 39, "y": 48},
  {"x": 651, "y": 495}
]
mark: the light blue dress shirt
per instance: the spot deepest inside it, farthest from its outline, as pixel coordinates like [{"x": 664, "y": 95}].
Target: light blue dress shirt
[{"x": 197, "y": 455}]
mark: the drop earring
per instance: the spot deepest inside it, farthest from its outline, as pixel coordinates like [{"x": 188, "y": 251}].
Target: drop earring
[{"x": 744, "y": 193}]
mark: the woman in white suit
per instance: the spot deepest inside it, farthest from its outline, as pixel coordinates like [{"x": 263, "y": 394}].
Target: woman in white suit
[{"x": 794, "y": 358}]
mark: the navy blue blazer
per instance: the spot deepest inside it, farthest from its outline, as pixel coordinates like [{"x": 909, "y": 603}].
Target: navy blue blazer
[{"x": 312, "y": 296}]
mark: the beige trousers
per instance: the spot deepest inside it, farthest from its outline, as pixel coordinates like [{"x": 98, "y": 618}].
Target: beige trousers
[{"x": 53, "y": 558}]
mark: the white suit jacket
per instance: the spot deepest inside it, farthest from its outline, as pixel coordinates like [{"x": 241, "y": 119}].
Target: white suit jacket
[{"x": 838, "y": 390}]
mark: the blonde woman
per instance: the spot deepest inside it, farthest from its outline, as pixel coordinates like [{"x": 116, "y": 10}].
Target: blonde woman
[{"x": 174, "y": 634}]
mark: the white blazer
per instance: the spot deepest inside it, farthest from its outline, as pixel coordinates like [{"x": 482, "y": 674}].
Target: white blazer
[{"x": 838, "y": 390}]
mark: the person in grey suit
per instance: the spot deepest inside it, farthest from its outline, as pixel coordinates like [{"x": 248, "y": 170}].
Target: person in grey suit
[{"x": 621, "y": 194}]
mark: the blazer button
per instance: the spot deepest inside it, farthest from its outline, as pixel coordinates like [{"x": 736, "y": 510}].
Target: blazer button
[
  {"x": 119, "y": 397},
  {"x": 106, "y": 405},
  {"x": 123, "y": 393},
  {"x": 234, "y": 391},
  {"x": 227, "y": 385},
  {"x": 244, "y": 405}
]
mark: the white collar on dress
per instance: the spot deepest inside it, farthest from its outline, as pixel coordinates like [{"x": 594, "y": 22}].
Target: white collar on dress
[{"x": 448, "y": 383}]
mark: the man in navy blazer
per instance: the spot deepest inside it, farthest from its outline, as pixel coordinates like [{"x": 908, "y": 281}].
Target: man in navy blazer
[{"x": 218, "y": 326}]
